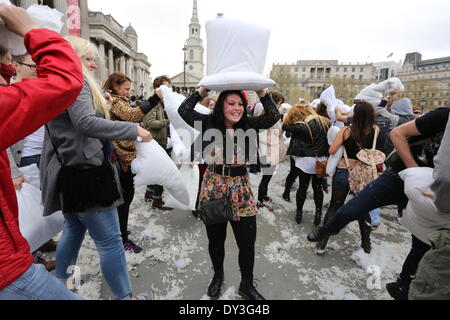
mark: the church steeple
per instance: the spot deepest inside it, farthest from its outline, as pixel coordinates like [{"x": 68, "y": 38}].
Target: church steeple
[
  {"x": 194, "y": 27},
  {"x": 194, "y": 45},
  {"x": 194, "y": 19}
]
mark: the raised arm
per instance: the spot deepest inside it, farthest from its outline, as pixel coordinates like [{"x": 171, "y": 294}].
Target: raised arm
[
  {"x": 187, "y": 112},
  {"x": 86, "y": 122},
  {"x": 271, "y": 115},
  {"x": 27, "y": 105}
]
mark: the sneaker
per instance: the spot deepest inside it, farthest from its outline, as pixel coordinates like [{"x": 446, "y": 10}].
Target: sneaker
[
  {"x": 260, "y": 205},
  {"x": 144, "y": 296},
  {"x": 130, "y": 246},
  {"x": 268, "y": 199}
]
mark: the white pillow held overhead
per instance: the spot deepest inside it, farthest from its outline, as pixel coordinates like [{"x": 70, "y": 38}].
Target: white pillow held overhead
[{"x": 237, "y": 53}]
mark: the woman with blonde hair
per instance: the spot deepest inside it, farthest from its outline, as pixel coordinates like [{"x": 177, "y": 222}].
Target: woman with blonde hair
[
  {"x": 79, "y": 177},
  {"x": 308, "y": 144}
]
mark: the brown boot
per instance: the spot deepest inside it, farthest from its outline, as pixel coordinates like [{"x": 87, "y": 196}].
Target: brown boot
[
  {"x": 158, "y": 204},
  {"x": 48, "y": 247}
]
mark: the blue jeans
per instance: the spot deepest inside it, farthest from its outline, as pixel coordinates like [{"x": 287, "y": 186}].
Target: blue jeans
[
  {"x": 37, "y": 284},
  {"x": 388, "y": 189},
  {"x": 104, "y": 230},
  {"x": 28, "y": 161}
]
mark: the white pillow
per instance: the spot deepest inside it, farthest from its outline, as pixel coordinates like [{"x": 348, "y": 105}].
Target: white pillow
[
  {"x": 36, "y": 228},
  {"x": 190, "y": 177},
  {"x": 153, "y": 166},
  {"x": 172, "y": 102},
  {"x": 237, "y": 52},
  {"x": 334, "y": 160},
  {"x": 45, "y": 18},
  {"x": 248, "y": 81}
]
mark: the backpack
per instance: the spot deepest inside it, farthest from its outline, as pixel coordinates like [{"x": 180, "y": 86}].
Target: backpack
[{"x": 367, "y": 168}]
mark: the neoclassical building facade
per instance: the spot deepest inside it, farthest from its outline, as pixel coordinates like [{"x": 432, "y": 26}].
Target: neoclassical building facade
[{"x": 117, "y": 46}]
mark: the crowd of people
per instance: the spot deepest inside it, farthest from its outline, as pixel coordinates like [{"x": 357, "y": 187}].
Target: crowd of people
[{"x": 82, "y": 137}]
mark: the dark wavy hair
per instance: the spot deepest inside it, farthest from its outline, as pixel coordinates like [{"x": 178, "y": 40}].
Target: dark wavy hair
[
  {"x": 219, "y": 117},
  {"x": 115, "y": 79},
  {"x": 363, "y": 122}
]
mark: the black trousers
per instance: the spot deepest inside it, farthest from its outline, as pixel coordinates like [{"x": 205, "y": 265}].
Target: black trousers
[
  {"x": 127, "y": 183},
  {"x": 245, "y": 235},
  {"x": 411, "y": 264}
]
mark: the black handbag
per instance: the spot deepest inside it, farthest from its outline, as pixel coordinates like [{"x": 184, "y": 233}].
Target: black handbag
[
  {"x": 86, "y": 188},
  {"x": 216, "y": 212}
]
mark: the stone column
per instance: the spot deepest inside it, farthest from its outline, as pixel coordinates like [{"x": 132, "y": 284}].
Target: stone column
[
  {"x": 110, "y": 61},
  {"x": 102, "y": 60},
  {"x": 26, "y": 3},
  {"x": 61, "y": 6},
  {"x": 122, "y": 64},
  {"x": 84, "y": 19}
]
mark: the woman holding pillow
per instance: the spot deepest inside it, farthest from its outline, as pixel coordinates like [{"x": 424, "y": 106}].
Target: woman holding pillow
[{"x": 229, "y": 179}]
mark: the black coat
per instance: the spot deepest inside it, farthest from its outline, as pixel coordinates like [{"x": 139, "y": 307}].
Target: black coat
[
  {"x": 266, "y": 121},
  {"x": 302, "y": 144}
]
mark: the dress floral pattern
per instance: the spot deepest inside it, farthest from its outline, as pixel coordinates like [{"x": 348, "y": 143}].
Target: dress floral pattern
[{"x": 236, "y": 190}]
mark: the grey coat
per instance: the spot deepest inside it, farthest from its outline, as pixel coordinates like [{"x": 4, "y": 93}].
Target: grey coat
[
  {"x": 441, "y": 174},
  {"x": 77, "y": 133}
]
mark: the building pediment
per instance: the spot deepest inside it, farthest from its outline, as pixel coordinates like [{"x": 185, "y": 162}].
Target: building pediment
[{"x": 190, "y": 78}]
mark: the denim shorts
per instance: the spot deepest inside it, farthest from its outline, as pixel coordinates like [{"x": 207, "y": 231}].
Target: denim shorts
[{"x": 340, "y": 180}]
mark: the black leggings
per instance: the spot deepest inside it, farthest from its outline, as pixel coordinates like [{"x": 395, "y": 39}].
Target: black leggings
[
  {"x": 264, "y": 185},
  {"x": 418, "y": 251},
  {"x": 245, "y": 235},
  {"x": 127, "y": 183},
  {"x": 293, "y": 174},
  {"x": 303, "y": 189}
]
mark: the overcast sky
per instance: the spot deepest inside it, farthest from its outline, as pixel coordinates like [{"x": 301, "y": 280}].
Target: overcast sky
[{"x": 346, "y": 30}]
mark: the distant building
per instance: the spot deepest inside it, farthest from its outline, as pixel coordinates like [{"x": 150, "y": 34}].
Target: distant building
[
  {"x": 194, "y": 67},
  {"x": 427, "y": 81},
  {"x": 118, "y": 51},
  {"x": 313, "y": 76},
  {"x": 386, "y": 70}
]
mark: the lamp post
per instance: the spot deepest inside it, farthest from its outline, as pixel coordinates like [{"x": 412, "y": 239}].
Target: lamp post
[
  {"x": 423, "y": 104},
  {"x": 184, "y": 68}
]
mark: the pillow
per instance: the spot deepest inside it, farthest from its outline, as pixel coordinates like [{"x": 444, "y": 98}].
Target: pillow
[
  {"x": 153, "y": 166},
  {"x": 190, "y": 177},
  {"x": 237, "y": 53},
  {"x": 172, "y": 102},
  {"x": 45, "y": 18},
  {"x": 248, "y": 81}
]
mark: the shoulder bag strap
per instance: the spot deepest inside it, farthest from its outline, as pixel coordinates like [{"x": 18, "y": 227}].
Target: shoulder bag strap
[
  {"x": 375, "y": 138},
  {"x": 60, "y": 159},
  {"x": 312, "y": 138}
]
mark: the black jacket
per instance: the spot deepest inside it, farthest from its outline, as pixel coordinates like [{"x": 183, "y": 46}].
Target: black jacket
[
  {"x": 266, "y": 121},
  {"x": 301, "y": 143}
]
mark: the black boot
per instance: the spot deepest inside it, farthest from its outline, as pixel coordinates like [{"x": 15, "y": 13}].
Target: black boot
[
  {"x": 366, "y": 230},
  {"x": 318, "y": 235},
  {"x": 299, "y": 216},
  {"x": 318, "y": 217},
  {"x": 398, "y": 290},
  {"x": 215, "y": 287},
  {"x": 248, "y": 291},
  {"x": 287, "y": 196},
  {"x": 322, "y": 246}
]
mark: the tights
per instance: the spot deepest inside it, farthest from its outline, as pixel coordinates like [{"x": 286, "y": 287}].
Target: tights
[{"x": 303, "y": 188}]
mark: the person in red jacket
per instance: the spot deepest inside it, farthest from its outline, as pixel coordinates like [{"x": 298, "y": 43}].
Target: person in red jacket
[{"x": 25, "y": 107}]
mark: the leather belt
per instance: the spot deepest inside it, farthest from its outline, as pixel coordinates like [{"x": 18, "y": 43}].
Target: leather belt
[{"x": 228, "y": 171}]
